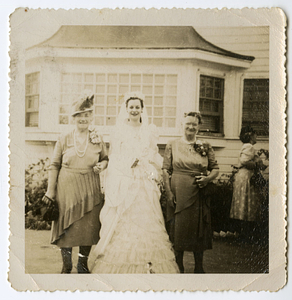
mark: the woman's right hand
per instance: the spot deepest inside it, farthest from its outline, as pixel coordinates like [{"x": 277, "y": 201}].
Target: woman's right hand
[
  {"x": 51, "y": 194},
  {"x": 170, "y": 199}
]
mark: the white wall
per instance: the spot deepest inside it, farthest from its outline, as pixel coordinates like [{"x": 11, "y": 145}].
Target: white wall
[{"x": 252, "y": 41}]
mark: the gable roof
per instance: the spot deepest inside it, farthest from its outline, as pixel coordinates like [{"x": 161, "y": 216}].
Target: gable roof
[{"x": 134, "y": 37}]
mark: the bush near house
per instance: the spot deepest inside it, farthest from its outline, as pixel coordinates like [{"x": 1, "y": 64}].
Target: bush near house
[
  {"x": 36, "y": 182},
  {"x": 221, "y": 201}
]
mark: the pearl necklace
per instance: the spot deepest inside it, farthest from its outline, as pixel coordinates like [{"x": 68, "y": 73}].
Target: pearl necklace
[{"x": 78, "y": 152}]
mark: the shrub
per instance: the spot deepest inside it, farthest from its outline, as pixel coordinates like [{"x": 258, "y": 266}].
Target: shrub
[
  {"x": 36, "y": 183},
  {"x": 221, "y": 201}
]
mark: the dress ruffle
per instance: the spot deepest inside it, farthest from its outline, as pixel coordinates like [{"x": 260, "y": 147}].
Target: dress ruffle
[
  {"x": 133, "y": 238},
  {"x": 77, "y": 194},
  {"x": 123, "y": 256},
  {"x": 139, "y": 243}
]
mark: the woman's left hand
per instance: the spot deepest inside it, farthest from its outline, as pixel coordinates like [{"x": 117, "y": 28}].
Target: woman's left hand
[
  {"x": 202, "y": 181},
  {"x": 99, "y": 167}
]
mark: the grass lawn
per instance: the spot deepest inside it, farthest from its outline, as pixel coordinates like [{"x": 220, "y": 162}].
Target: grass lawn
[{"x": 227, "y": 256}]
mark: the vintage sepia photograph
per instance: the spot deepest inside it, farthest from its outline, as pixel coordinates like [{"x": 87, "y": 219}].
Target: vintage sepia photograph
[{"x": 145, "y": 148}]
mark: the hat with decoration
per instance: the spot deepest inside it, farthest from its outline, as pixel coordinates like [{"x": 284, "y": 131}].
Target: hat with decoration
[{"x": 84, "y": 104}]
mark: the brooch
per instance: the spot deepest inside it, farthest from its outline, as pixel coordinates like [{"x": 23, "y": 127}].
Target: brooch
[{"x": 94, "y": 138}]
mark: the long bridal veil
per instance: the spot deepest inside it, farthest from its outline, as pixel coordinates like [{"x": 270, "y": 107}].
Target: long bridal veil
[
  {"x": 123, "y": 114},
  {"x": 133, "y": 233},
  {"x": 118, "y": 175}
]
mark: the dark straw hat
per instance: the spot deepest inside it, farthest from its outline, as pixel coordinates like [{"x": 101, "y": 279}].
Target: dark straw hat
[{"x": 84, "y": 104}]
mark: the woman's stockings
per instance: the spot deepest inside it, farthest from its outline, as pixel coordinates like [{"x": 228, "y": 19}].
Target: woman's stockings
[
  {"x": 198, "y": 262},
  {"x": 82, "y": 266},
  {"x": 67, "y": 260},
  {"x": 198, "y": 256},
  {"x": 179, "y": 257}
]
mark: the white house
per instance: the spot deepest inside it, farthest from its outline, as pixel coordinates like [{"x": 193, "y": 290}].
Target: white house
[{"x": 176, "y": 68}]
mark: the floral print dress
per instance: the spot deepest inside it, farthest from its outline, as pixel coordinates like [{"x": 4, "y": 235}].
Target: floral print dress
[{"x": 245, "y": 200}]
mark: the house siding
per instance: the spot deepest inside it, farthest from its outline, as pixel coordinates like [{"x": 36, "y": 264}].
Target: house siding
[{"x": 252, "y": 41}]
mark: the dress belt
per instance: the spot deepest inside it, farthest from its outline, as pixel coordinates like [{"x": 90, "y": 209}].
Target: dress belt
[
  {"x": 76, "y": 170},
  {"x": 189, "y": 173}
]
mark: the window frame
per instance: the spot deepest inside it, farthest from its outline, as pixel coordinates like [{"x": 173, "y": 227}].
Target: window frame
[
  {"x": 123, "y": 71},
  {"x": 220, "y": 114},
  {"x": 36, "y": 108}
]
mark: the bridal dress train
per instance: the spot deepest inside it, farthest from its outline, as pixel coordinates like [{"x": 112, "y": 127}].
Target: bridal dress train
[{"x": 133, "y": 238}]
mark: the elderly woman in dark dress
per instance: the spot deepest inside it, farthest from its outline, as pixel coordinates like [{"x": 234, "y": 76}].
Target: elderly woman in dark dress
[
  {"x": 192, "y": 165},
  {"x": 74, "y": 182}
]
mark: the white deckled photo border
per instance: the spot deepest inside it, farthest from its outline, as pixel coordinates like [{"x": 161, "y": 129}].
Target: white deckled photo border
[{"x": 39, "y": 21}]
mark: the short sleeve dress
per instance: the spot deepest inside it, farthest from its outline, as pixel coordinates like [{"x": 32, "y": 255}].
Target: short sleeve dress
[
  {"x": 78, "y": 193},
  {"x": 190, "y": 222}
]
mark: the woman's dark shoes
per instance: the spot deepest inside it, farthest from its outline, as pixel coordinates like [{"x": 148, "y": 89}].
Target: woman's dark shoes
[
  {"x": 199, "y": 271},
  {"x": 181, "y": 266},
  {"x": 66, "y": 269},
  {"x": 67, "y": 260},
  {"x": 199, "y": 263},
  {"x": 82, "y": 267},
  {"x": 179, "y": 255}
]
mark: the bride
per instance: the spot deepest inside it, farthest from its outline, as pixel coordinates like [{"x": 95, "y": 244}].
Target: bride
[{"x": 133, "y": 238}]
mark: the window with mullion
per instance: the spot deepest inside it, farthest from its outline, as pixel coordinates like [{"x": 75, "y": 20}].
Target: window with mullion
[
  {"x": 32, "y": 83},
  {"x": 211, "y": 103},
  {"x": 160, "y": 91}
]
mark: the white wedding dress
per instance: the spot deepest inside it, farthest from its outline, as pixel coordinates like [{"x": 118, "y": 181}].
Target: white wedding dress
[{"x": 133, "y": 238}]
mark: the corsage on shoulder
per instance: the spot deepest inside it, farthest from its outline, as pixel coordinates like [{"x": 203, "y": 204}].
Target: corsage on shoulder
[
  {"x": 94, "y": 137},
  {"x": 201, "y": 147}
]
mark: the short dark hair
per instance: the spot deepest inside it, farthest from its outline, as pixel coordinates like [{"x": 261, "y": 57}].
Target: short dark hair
[
  {"x": 135, "y": 98},
  {"x": 194, "y": 114},
  {"x": 246, "y": 133}
]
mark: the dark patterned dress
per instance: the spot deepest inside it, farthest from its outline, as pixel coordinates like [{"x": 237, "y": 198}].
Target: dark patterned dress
[{"x": 189, "y": 222}]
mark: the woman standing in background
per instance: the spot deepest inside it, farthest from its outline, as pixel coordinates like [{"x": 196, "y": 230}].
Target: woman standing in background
[{"x": 245, "y": 201}]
